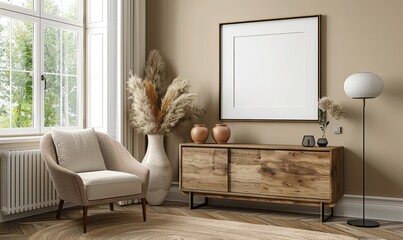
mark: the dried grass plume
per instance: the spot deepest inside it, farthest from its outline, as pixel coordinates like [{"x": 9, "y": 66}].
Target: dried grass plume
[
  {"x": 335, "y": 110},
  {"x": 149, "y": 112},
  {"x": 155, "y": 71}
]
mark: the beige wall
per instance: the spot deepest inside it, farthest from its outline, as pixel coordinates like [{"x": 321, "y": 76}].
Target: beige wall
[{"x": 357, "y": 35}]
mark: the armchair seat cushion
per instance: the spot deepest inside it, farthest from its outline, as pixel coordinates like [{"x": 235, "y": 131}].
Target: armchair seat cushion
[{"x": 109, "y": 184}]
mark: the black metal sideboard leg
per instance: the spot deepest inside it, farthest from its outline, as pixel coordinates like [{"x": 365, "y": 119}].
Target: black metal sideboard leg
[
  {"x": 324, "y": 218},
  {"x": 191, "y": 206}
]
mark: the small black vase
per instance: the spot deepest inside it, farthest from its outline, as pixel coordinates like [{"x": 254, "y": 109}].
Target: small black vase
[
  {"x": 308, "y": 141},
  {"x": 322, "y": 142}
]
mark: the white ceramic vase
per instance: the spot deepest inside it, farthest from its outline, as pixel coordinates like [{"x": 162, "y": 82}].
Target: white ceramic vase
[{"x": 160, "y": 170}]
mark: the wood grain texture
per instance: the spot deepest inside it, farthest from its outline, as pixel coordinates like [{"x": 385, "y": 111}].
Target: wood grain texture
[
  {"x": 337, "y": 179},
  {"x": 302, "y": 174},
  {"x": 204, "y": 169},
  {"x": 24, "y": 228},
  {"x": 265, "y": 173}
]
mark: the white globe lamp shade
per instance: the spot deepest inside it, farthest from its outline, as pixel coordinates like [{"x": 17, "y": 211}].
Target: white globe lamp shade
[{"x": 363, "y": 85}]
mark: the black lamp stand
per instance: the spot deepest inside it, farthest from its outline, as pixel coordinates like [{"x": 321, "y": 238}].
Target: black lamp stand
[{"x": 363, "y": 222}]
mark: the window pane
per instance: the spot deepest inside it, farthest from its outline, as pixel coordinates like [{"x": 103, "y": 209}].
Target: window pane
[
  {"x": 70, "y": 43},
  {"x": 21, "y": 3},
  {"x": 16, "y": 73},
  {"x": 62, "y": 8},
  {"x": 52, "y": 100},
  {"x": 52, "y": 50},
  {"x": 5, "y": 101},
  {"x": 21, "y": 100},
  {"x": 5, "y": 25},
  {"x": 72, "y": 101},
  {"x": 61, "y": 101},
  {"x": 61, "y": 95},
  {"x": 21, "y": 45},
  {"x": 52, "y": 7}
]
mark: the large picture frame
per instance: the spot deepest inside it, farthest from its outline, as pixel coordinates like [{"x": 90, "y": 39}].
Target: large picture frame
[{"x": 270, "y": 69}]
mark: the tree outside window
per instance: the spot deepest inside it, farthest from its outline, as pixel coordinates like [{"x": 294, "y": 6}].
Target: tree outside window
[{"x": 21, "y": 87}]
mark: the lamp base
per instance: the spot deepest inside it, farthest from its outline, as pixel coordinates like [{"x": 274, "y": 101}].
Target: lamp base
[{"x": 363, "y": 223}]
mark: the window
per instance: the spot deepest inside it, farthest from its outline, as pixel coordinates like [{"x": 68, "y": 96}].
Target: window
[
  {"x": 28, "y": 4},
  {"x": 62, "y": 8},
  {"x": 40, "y": 66},
  {"x": 60, "y": 71}
]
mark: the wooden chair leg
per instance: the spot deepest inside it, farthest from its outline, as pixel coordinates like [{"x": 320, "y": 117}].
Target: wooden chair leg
[
  {"x": 59, "y": 209},
  {"x": 143, "y": 204},
  {"x": 85, "y": 212},
  {"x": 111, "y": 206}
]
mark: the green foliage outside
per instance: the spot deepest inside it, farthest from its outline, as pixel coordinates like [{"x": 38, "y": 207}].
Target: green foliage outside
[
  {"x": 16, "y": 81},
  {"x": 16, "y": 109}
]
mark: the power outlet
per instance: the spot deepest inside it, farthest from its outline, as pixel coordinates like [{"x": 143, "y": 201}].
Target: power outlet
[{"x": 337, "y": 130}]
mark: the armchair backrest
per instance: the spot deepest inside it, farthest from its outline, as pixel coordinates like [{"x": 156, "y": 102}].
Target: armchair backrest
[{"x": 78, "y": 150}]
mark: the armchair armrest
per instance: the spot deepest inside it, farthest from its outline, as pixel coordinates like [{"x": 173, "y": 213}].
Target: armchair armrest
[{"x": 117, "y": 158}]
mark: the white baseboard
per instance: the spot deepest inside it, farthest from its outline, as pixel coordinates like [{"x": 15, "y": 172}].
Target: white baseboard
[{"x": 380, "y": 208}]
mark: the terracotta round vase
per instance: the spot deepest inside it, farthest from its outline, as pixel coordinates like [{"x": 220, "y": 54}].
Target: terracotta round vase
[
  {"x": 221, "y": 133},
  {"x": 199, "y": 133}
]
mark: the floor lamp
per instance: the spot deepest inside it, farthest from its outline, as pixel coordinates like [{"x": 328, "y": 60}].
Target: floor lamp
[{"x": 362, "y": 86}]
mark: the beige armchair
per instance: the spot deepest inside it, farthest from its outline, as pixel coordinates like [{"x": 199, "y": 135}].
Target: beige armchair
[{"x": 123, "y": 179}]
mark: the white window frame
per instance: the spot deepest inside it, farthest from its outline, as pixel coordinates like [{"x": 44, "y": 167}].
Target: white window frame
[
  {"x": 104, "y": 5},
  {"x": 41, "y": 19},
  {"x": 34, "y": 12},
  {"x": 104, "y": 80},
  {"x": 107, "y": 27},
  {"x": 35, "y": 79},
  {"x": 78, "y": 22},
  {"x": 80, "y": 81}
]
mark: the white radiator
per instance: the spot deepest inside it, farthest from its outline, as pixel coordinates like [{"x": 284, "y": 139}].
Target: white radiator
[{"x": 25, "y": 182}]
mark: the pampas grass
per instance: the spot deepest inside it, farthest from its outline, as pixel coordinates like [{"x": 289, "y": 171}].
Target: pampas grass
[
  {"x": 149, "y": 112},
  {"x": 155, "y": 71},
  {"x": 141, "y": 115}
]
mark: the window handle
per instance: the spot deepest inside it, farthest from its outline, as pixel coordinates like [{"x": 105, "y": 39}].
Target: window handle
[{"x": 43, "y": 79}]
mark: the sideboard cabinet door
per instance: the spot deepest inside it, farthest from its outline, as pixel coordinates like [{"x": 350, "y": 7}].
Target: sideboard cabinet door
[
  {"x": 283, "y": 173},
  {"x": 204, "y": 169}
]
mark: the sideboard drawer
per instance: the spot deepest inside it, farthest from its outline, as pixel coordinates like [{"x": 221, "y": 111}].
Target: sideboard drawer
[
  {"x": 302, "y": 174},
  {"x": 204, "y": 169}
]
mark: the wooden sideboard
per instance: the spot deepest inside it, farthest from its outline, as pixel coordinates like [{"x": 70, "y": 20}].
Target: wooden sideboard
[{"x": 291, "y": 174}]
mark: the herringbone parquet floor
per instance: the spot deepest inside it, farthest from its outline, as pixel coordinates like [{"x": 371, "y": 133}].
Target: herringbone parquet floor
[{"x": 23, "y": 228}]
